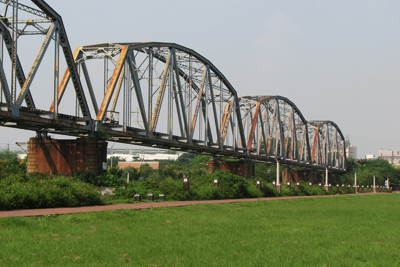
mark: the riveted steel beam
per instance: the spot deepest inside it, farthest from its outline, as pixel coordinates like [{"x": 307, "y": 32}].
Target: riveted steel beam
[{"x": 112, "y": 84}]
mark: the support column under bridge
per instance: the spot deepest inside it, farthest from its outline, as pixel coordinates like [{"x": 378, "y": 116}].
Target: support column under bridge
[
  {"x": 296, "y": 176},
  {"x": 243, "y": 168},
  {"x": 66, "y": 156}
]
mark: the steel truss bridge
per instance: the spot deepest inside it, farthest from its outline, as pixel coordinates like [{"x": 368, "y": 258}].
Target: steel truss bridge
[{"x": 162, "y": 95}]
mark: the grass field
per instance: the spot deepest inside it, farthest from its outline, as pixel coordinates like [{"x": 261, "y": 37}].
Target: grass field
[{"x": 353, "y": 230}]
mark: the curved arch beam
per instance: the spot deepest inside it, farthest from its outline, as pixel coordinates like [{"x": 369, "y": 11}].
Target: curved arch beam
[{"x": 328, "y": 147}]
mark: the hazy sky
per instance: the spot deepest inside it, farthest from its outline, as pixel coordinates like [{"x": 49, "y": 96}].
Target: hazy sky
[{"x": 336, "y": 60}]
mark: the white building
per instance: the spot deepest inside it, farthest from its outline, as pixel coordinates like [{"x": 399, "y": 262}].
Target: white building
[
  {"x": 392, "y": 156},
  {"x": 351, "y": 151}
]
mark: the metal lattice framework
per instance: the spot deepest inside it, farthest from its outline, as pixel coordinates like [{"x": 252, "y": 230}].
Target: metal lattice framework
[
  {"x": 276, "y": 128},
  {"x": 152, "y": 94},
  {"x": 328, "y": 144}
]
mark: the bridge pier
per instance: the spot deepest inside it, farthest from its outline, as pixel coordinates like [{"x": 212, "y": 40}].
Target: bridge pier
[
  {"x": 243, "y": 168},
  {"x": 66, "y": 156},
  {"x": 296, "y": 176}
]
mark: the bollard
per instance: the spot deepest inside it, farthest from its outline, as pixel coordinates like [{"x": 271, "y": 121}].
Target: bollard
[
  {"x": 367, "y": 188},
  {"x": 362, "y": 189},
  {"x": 161, "y": 197},
  {"x": 289, "y": 186},
  {"x": 279, "y": 188},
  {"x": 258, "y": 184},
  {"x": 337, "y": 188},
  {"x": 320, "y": 185},
  {"x": 329, "y": 187},
  {"x": 185, "y": 184},
  {"x": 137, "y": 197},
  {"x": 342, "y": 187},
  {"x": 150, "y": 197},
  {"x": 310, "y": 185},
  {"x": 298, "y": 186},
  {"x": 215, "y": 182}
]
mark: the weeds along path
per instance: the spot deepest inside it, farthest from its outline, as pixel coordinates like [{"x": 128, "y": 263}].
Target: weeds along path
[{"x": 138, "y": 206}]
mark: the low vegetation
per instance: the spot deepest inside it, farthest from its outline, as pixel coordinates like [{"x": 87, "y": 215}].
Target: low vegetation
[{"x": 22, "y": 191}]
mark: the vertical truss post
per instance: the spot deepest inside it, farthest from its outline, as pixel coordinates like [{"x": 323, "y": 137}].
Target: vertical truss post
[
  {"x": 178, "y": 96},
  {"x": 214, "y": 108},
  {"x": 138, "y": 90},
  {"x": 150, "y": 96},
  {"x": 14, "y": 53},
  {"x": 56, "y": 71},
  {"x": 170, "y": 92}
]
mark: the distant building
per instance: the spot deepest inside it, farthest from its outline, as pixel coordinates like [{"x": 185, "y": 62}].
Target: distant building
[
  {"x": 351, "y": 151},
  {"x": 392, "y": 156},
  {"x": 137, "y": 164},
  {"x": 370, "y": 156}
]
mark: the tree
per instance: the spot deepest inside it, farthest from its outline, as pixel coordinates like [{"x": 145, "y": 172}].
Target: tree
[
  {"x": 8, "y": 155},
  {"x": 185, "y": 158},
  {"x": 113, "y": 161}
]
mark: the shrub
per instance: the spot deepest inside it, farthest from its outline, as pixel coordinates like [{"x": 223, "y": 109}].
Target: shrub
[
  {"x": 230, "y": 186},
  {"x": 43, "y": 191},
  {"x": 268, "y": 190},
  {"x": 207, "y": 192},
  {"x": 253, "y": 191}
]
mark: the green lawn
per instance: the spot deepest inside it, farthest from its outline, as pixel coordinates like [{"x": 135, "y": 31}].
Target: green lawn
[{"x": 360, "y": 230}]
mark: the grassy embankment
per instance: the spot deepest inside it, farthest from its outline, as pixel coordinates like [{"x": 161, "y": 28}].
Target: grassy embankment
[{"x": 336, "y": 231}]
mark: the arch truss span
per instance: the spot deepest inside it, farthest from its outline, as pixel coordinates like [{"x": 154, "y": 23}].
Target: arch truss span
[
  {"x": 328, "y": 145},
  {"x": 275, "y": 129},
  {"x": 159, "y": 93},
  {"x": 146, "y": 93}
]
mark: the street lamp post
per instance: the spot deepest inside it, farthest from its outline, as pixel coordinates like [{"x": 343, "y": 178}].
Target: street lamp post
[
  {"x": 127, "y": 177},
  {"x": 374, "y": 184},
  {"x": 355, "y": 181}
]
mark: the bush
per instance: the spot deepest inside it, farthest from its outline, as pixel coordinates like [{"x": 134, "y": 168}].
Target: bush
[
  {"x": 268, "y": 190},
  {"x": 207, "y": 192},
  {"x": 43, "y": 191},
  {"x": 113, "y": 177},
  {"x": 230, "y": 186},
  {"x": 253, "y": 191}
]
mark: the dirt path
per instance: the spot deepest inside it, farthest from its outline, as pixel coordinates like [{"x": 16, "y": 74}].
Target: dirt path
[{"x": 138, "y": 206}]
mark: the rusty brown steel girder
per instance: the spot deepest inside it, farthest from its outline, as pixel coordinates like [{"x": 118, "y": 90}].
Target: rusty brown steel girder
[
  {"x": 253, "y": 125},
  {"x": 112, "y": 83},
  {"x": 160, "y": 96},
  {"x": 225, "y": 120},
  {"x": 196, "y": 109}
]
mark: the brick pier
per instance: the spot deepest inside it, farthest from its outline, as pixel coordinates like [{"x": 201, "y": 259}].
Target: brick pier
[
  {"x": 242, "y": 168},
  {"x": 66, "y": 156}
]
